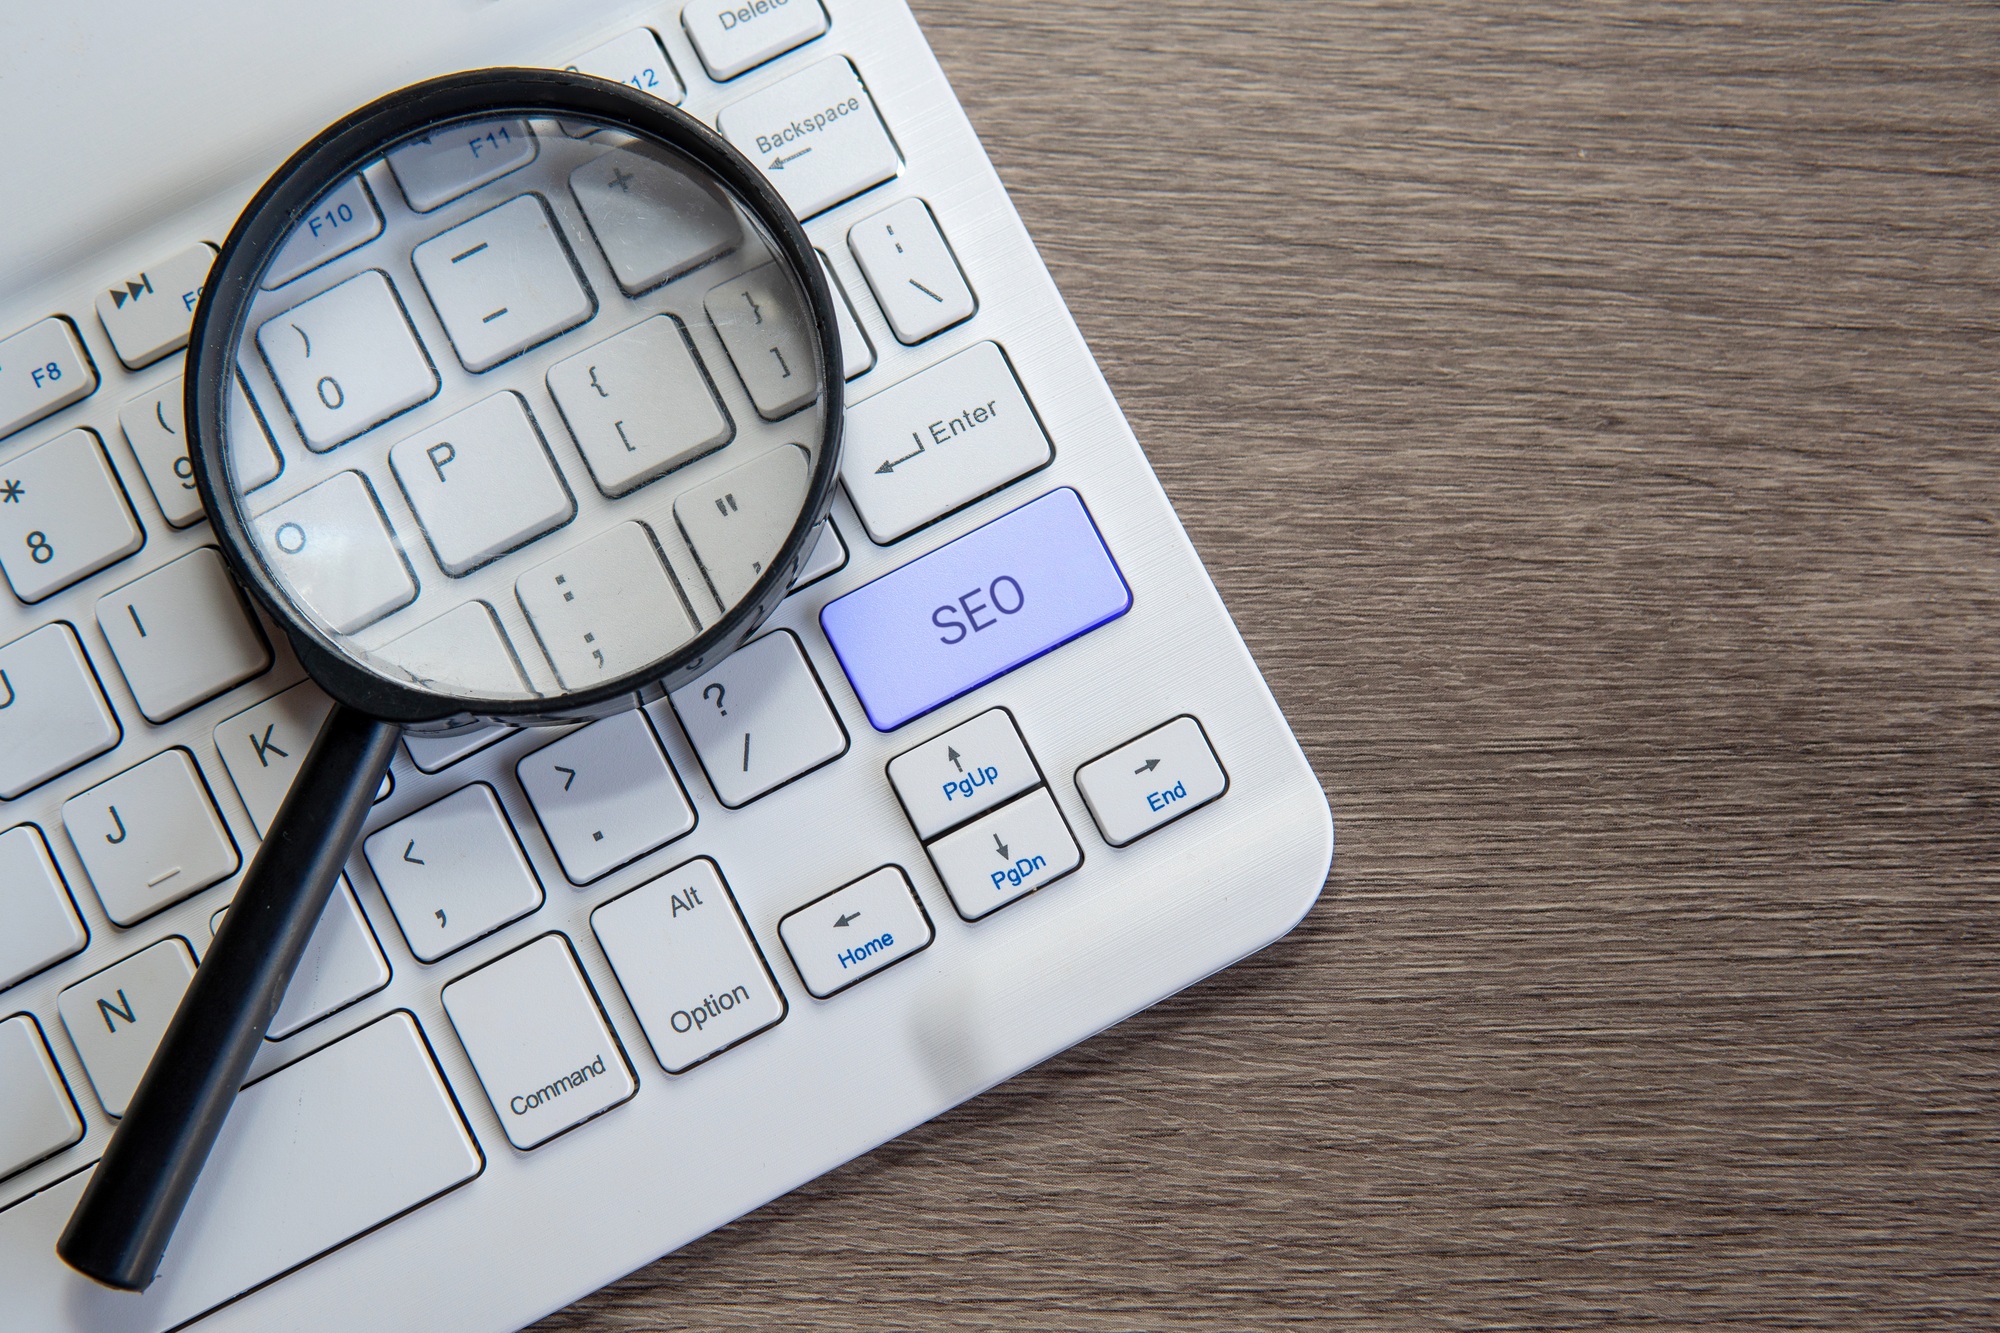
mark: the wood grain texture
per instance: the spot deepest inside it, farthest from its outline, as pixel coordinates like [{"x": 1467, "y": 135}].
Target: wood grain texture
[{"x": 1589, "y": 413}]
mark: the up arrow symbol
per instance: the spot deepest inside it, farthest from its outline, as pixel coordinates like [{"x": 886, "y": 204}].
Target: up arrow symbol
[{"x": 952, "y": 755}]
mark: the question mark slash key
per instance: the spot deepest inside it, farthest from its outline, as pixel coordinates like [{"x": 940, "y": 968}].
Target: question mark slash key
[{"x": 766, "y": 690}]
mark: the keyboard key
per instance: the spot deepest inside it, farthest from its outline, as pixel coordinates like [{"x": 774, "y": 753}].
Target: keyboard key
[
  {"x": 503, "y": 282},
  {"x": 148, "y": 313},
  {"x": 1005, "y": 855},
  {"x": 1151, "y": 781},
  {"x": 736, "y": 522},
  {"x": 149, "y": 837},
  {"x": 636, "y": 59},
  {"x": 759, "y": 719},
  {"x": 639, "y": 405},
  {"x": 253, "y": 459},
  {"x": 333, "y": 547},
  {"x": 342, "y": 963},
  {"x": 857, "y": 354},
  {"x": 911, "y": 270},
  {"x": 118, "y": 1016},
  {"x": 965, "y": 772},
  {"x": 182, "y": 634},
  {"x": 482, "y": 483},
  {"x": 688, "y": 965},
  {"x": 453, "y": 871},
  {"x": 975, "y": 609},
  {"x": 63, "y": 515},
  {"x": 37, "y": 1117},
  {"x": 52, "y": 712},
  {"x": 346, "y": 360},
  {"x": 317, "y": 1153},
  {"x": 345, "y": 220},
  {"x": 462, "y": 651},
  {"x": 771, "y": 356},
  {"x": 42, "y": 925},
  {"x": 605, "y": 606},
  {"x": 829, "y": 556},
  {"x": 624, "y": 198},
  {"x": 939, "y": 440},
  {"x": 434, "y": 754},
  {"x": 605, "y": 796},
  {"x": 437, "y": 169},
  {"x": 263, "y": 746},
  {"x": 816, "y": 134},
  {"x": 538, "y": 1041},
  {"x": 734, "y": 35},
  {"x": 856, "y": 931},
  {"x": 43, "y": 369},
  {"x": 155, "y": 429}
]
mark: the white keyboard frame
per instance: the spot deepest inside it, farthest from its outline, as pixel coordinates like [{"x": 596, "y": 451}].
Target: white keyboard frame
[{"x": 983, "y": 1002}]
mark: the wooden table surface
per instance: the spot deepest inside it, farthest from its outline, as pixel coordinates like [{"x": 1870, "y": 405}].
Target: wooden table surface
[{"x": 1590, "y": 414}]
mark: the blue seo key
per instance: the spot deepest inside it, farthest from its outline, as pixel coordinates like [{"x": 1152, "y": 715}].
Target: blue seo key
[{"x": 975, "y": 609}]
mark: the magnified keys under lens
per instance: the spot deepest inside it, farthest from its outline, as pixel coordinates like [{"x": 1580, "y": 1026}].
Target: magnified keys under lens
[{"x": 515, "y": 396}]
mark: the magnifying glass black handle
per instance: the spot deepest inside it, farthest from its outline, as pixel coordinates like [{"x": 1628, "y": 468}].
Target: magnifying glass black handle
[{"x": 128, "y": 1212}]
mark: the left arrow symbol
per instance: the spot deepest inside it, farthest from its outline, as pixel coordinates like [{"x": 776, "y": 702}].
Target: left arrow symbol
[{"x": 407, "y": 856}]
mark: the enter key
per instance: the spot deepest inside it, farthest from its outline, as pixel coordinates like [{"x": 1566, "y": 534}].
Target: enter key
[{"x": 939, "y": 440}]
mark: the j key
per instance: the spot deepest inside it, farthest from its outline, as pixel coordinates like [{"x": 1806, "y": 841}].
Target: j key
[
  {"x": 736, "y": 522},
  {"x": 539, "y": 1042},
  {"x": 482, "y": 483},
  {"x": 770, "y": 352},
  {"x": 735, "y": 35},
  {"x": 639, "y": 405},
  {"x": 452, "y": 872},
  {"x": 503, "y": 282},
  {"x": 816, "y": 135},
  {"x": 759, "y": 719},
  {"x": 344, "y": 220},
  {"x": 118, "y": 1016},
  {"x": 52, "y": 712},
  {"x": 462, "y": 650},
  {"x": 605, "y": 606},
  {"x": 332, "y": 545},
  {"x": 624, "y": 199},
  {"x": 63, "y": 515},
  {"x": 331, "y": 1146},
  {"x": 148, "y": 313},
  {"x": 605, "y": 795},
  {"x": 912, "y": 271},
  {"x": 37, "y": 1117},
  {"x": 346, "y": 360},
  {"x": 633, "y": 58},
  {"x": 438, "y": 168},
  {"x": 182, "y": 634},
  {"x": 341, "y": 964},
  {"x": 43, "y": 369},
  {"x": 687, "y": 963},
  {"x": 149, "y": 837},
  {"x": 42, "y": 925}
]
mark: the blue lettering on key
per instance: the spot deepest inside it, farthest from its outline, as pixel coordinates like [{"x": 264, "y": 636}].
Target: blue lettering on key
[
  {"x": 1014, "y": 875},
  {"x": 861, "y": 953},
  {"x": 975, "y": 608},
  {"x": 970, "y": 783}
]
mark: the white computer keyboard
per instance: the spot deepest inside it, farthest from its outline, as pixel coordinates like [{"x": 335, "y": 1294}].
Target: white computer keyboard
[{"x": 585, "y": 995}]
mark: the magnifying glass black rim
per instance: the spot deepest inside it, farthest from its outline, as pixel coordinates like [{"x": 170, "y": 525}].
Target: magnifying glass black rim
[{"x": 337, "y": 153}]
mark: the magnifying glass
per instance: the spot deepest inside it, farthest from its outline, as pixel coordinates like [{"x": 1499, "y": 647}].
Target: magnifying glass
[{"x": 514, "y": 397}]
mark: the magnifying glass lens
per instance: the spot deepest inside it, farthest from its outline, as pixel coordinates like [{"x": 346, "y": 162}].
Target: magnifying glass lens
[{"x": 523, "y": 405}]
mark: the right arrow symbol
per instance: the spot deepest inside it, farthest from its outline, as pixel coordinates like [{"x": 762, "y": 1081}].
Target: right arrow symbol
[{"x": 1148, "y": 766}]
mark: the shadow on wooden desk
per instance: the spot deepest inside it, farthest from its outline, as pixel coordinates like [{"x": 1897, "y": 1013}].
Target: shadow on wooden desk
[{"x": 1590, "y": 415}]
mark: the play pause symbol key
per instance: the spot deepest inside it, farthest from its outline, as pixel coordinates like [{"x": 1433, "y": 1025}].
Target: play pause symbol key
[
  {"x": 148, "y": 313},
  {"x": 605, "y": 795}
]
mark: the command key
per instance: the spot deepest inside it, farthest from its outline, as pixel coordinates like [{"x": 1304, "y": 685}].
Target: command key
[{"x": 975, "y": 609}]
